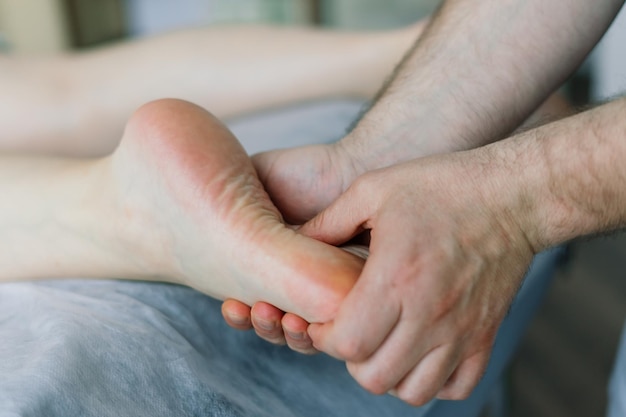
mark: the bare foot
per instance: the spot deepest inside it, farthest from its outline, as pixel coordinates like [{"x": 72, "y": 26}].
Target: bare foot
[
  {"x": 302, "y": 182},
  {"x": 213, "y": 226}
]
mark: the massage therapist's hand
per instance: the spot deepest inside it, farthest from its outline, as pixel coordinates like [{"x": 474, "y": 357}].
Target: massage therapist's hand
[{"x": 447, "y": 255}]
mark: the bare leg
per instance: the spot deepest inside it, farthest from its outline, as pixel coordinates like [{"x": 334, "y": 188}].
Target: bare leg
[{"x": 76, "y": 104}]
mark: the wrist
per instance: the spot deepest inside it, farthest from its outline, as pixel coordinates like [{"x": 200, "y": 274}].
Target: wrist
[
  {"x": 581, "y": 192},
  {"x": 515, "y": 177},
  {"x": 389, "y": 134},
  {"x": 565, "y": 178}
]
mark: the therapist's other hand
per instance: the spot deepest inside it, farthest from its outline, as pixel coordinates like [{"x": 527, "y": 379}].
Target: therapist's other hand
[
  {"x": 305, "y": 180},
  {"x": 447, "y": 255}
]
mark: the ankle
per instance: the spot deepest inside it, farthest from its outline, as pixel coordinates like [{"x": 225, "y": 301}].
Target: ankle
[{"x": 140, "y": 226}]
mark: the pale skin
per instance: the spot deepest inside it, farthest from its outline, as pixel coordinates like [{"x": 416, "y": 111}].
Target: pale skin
[
  {"x": 76, "y": 104},
  {"x": 491, "y": 209},
  {"x": 178, "y": 201},
  {"x": 84, "y": 133},
  {"x": 466, "y": 83},
  {"x": 296, "y": 169}
]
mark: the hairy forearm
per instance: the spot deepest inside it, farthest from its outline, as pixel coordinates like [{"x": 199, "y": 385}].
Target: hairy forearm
[
  {"x": 59, "y": 218},
  {"x": 478, "y": 71},
  {"x": 51, "y": 104},
  {"x": 566, "y": 179}
]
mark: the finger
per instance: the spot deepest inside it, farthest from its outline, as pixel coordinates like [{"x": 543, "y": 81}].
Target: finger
[
  {"x": 425, "y": 380},
  {"x": 344, "y": 218},
  {"x": 263, "y": 163},
  {"x": 236, "y": 314},
  {"x": 365, "y": 317},
  {"x": 266, "y": 320},
  {"x": 373, "y": 306},
  {"x": 358, "y": 329},
  {"x": 396, "y": 358},
  {"x": 465, "y": 378},
  {"x": 295, "y": 330}
]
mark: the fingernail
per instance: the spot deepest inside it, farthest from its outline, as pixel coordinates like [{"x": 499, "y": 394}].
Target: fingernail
[{"x": 265, "y": 325}]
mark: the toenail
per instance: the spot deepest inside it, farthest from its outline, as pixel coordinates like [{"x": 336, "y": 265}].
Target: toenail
[
  {"x": 296, "y": 335},
  {"x": 239, "y": 320},
  {"x": 265, "y": 325}
]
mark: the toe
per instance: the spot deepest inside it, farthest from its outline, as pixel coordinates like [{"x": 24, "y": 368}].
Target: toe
[
  {"x": 266, "y": 320},
  {"x": 295, "y": 330},
  {"x": 237, "y": 314}
]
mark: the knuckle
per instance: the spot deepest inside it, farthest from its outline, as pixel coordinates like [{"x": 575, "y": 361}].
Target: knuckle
[
  {"x": 351, "y": 350},
  {"x": 457, "y": 392},
  {"x": 415, "y": 398},
  {"x": 463, "y": 393},
  {"x": 370, "y": 378},
  {"x": 363, "y": 185},
  {"x": 374, "y": 384},
  {"x": 362, "y": 182}
]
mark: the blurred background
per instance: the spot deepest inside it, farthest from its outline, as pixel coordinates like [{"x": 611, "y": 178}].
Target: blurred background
[{"x": 564, "y": 363}]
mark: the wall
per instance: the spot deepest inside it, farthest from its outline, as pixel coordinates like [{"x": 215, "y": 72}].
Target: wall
[
  {"x": 146, "y": 17},
  {"x": 34, "y": 26},
  {"x": 375, "y": 14},
  {"x": 609, "y": 61}
]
